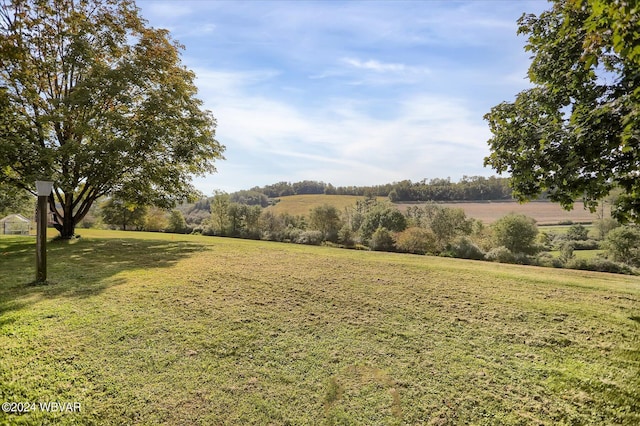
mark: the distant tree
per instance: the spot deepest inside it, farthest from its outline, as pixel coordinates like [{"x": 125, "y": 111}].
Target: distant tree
[
  {"x": 346, "y": 235},
  {"x": 516, "y": 232},
  {"x": 577, "y": 232},
  {"x": 326, "y": 219},
  {"x": 416, "y": 240},
  {"x": 623, "y": 245},
  {"x": 604, "y": 226},
  {"x": 382, "y": 216},
  {"x": 155, "y": 220},
  {"x": 123, "y": 213},
  {"x": 330, "y": 190},
  {"x": 99, "y": 102},
  {"x": 381, "y": 240},
  {"x": 252, "y": 221},
  {"x": 177, "y": 222},
  {"x": 220, "y": 211},
  {"x": 464, "y": 248},
  {"x": 271, "y": 225},
  {"x": 235, "y": 219},
  {"x": 576, "y": 133},
  {"x": 448, "y": 223}
]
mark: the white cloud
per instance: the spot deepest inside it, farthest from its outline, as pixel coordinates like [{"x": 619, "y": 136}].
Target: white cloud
[
  {"x": 376, "y": 66},
  {"x": 349, "y": 92},
  {"x": 342, "y": 143}
]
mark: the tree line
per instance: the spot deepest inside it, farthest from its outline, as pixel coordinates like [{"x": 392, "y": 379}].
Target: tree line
[
  {"x": 372, "y": 224},
  {"x": 469, "y": 188}
]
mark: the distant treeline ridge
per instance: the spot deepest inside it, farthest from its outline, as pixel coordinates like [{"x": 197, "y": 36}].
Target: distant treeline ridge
[{"x": 469, "y": 188}]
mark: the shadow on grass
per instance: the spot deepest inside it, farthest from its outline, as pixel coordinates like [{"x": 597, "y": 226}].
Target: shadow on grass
[{"x": 79, "y": 268}]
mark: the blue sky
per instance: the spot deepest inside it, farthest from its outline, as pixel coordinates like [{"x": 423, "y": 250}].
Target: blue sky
[{"x": 349, "y": 92}]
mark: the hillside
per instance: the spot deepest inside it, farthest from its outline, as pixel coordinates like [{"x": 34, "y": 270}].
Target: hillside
[
  {"x": 144, "y": 328},
  {"x": 545, "y": 213}
]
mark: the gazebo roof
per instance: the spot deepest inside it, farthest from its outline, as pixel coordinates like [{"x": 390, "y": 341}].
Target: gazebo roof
[{"x": 15, "y": 218}]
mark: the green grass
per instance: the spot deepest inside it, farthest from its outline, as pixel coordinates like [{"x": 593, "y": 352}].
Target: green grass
[
  {"x": 165, "y": 329},
  {"x": 300, "y": 205},
  {"x": 562, "y": 230},
  {"x": 581, "y": 254}
]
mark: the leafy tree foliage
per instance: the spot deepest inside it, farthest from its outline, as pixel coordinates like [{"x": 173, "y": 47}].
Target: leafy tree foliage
[
  {"x": 155, "y": 220},
  {"x": 623, "y": 245},
  {"x": 516, "y": 232},
  {"x": 416, "y": 240},
  {"x": 381, "y": 240},
  {"x": 100, "y": 103},
  {"x": 577, "y": 232},
  {"x": 382, "y": 216},
  {"x": 177, "y": 222},
  {"x": 326, "y": 219},
  {"x": 123, "y": 213},
  {"x": 16, "y": 200},
  {"x": 576, "y": 133}
]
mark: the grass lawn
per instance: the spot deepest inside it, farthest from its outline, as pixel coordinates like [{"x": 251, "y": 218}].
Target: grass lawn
[{"x": 152, "y": 329}]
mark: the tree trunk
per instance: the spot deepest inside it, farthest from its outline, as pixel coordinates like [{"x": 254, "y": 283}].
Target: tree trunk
[{"x": 66, "y": 225}]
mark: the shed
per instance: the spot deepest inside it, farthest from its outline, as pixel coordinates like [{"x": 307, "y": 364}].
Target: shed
[{"x": 15, "y": 224}]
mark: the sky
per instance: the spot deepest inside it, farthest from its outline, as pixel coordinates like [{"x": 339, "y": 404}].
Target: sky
[{"x": 349, "y": 92}]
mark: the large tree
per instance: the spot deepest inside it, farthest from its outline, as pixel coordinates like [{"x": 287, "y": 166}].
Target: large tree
[
  {"x": 97, "y": 101},
  {"x": 576, "y": 132}
]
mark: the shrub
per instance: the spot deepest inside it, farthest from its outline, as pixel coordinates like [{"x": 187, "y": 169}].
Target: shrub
[
  {"x": 500, "y": 254},
  {"x": 310, "y": 237},
  {"x": 548, "y": 260},
  {"x": 464, "y": 248},
  {"x": 577, "y": 233},
  {"x": 566, "y": 252},
  {"x": 382, "y": 216},
  {"x": 604, "y": 226},
  {"x": 586, "y": 245},
  {"x": 599, "y": 264},
  {"x": 381, "y": 240},
  {"x": 291, "y": 234},
  {"x": 416, "y": 240},
  {"x": 623, "y": 245},
  {"x": 517, "y": 233},
  {"x": 346, "y": 235}
]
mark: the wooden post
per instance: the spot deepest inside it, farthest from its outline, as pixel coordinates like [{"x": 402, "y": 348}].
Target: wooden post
[
  {"x": 41, "y": 241},
  {"x": 43, "y": 189}
]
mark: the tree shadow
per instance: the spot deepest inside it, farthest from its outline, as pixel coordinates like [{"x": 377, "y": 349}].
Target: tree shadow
[{"x": 79, "y": 268}]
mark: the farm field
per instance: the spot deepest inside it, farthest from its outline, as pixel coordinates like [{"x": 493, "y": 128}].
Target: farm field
[
  {"x": 143, "y": 328},
  {"x": 545, "y": 213}
]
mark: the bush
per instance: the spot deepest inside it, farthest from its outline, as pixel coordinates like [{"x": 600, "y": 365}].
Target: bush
[
  {"x": 517, "y": 233},
  {"x": 500, "y": 254},
  {"x": 416, "y": 240},
  {"x": 548, "y": 260},
  {"x": 586, "y": 245},
  {"x": 464, "y": 248},
  {"x": 381, "y": 240},
  {"x": 346, "y": 235},
  {"x": 577, "y": 233},
  {"x": 566, "y": 252},
  {"x": 313, "y": 238},
  {"x": 623, "y": 245},
  {"x": 291, "y": 234},
  {"x": 599, "y": 265}
]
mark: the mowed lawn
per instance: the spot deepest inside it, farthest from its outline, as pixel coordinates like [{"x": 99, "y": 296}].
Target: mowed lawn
[{"x": 144, "y": 328}]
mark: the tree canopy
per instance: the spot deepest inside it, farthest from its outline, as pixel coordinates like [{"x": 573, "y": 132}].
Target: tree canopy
[
  {"x": 98, "y": 102},
  {"x": 576, "y": 133}
]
